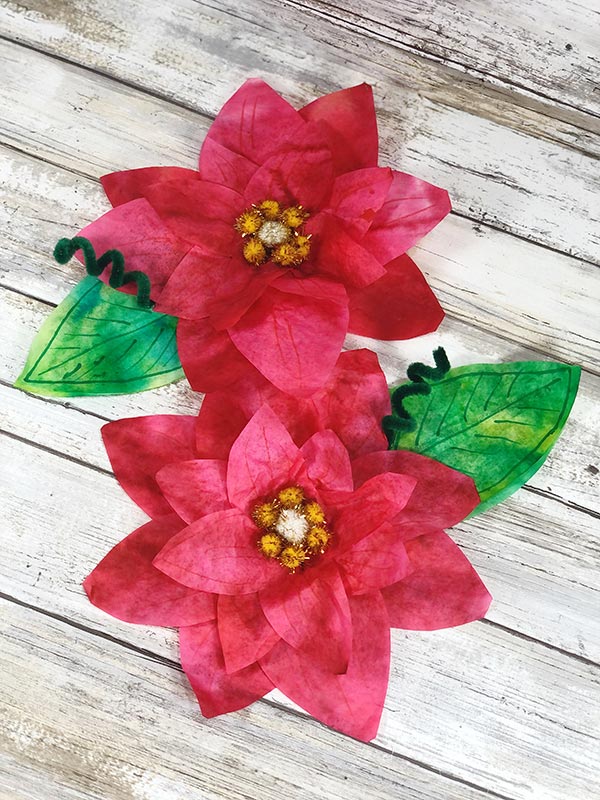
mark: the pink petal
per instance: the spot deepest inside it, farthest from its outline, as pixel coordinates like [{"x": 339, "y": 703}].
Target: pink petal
[
  {"x": 121, "y": 187},
  {"x": 294, "y": 340},
  {"x": 310, "y": 611},
  {"x": 337, "y": 254},
  {"x": 376, "y": 561},
  {"x": 140, "y": 446},
  {"x": 442, "y": 591},
  {"x": 352, "y": 703},
  {"x": 195, "y": 488},
  {"x": 209, "y": 358},
  {"x": 398, "y": 306},
  {"x": 244, "y": 631},
  {"x": 256, "y": 122},
  {"x": 412, "y": 208},
  {"x": 349, "y": 123},
  {"x": 219, "y": 423},
  {"x": 357, "y": 197},
  {"x": 146, "y": 243},
  {"x": 302, "y": 175},
  {"x": 218, "y": 553},
  {"x": 199, "y": 212},
  {"x": 355, "y": 515},
  {"x": 442, "y": 496},
  {"x": 217, "y": 691},
  {"x": 127, "y": 586},
  {"x": 262, "y": 460},
  {"x": 221, "y": 165},
  {"x": 328, "y": 462}
]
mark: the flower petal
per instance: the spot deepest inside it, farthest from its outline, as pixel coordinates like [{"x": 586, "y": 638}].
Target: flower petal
[
  {"x": 145, "y": 241},
  {"x": 209, "y": 358},
  {"x": 195, "y": 488},
  {"x": 412, "y": 208},
  {"x": 221, "y": 419},
  {"x": 255, "y": 122},
  {"x": 351, "y": 703},
  {"x": 357, "y": 197},
  {"x": 220, "y": 287},
  {"x": 349, "y": 122},
  {"x": 127, "y": 586},
  {"x": 376, "y": 561},
  {"x": 310, "y": 611},
  {"x": 302, "y": 175},
  {"x": 442, "y": 591},
  {"x": 217, "y": 691},
  {"x": 199, "y": 212},
  {"x": 442, "y": 496},
  {"x": 218, "y": 553},
  {"x": 244, "y": 631},
  {"x": 138, "y": 447},
  {"x": 398, "y": 306},
  {"x": 337, "y": 254},
  {"x": 221, "y": 165},
  {"x": 328, "y": 462},
  {"x": 355, "y": 515},
  {"x": 262, "y": 460},
  {"x": 129, "y": 184},
  {"x": 294, "y": 340}
]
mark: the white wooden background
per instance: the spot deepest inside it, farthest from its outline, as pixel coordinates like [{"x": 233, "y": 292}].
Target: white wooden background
[{"x": 497, "y": 101}]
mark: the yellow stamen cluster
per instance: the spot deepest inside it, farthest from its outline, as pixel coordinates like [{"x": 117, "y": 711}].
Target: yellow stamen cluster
[
  {"x": 292, "y": 528},
  {"x": 273, "y": 233}
]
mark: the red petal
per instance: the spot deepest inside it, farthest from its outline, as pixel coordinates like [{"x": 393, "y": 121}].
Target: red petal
[
  {"x": 219, "y": 423},
  {"x": 442, "y": 591},
  {"x": 195, "y": 488},
  {"x": 328, "y": 462},
  {"x": 198, "y": 211},
  {"x": 351, "y": 703},
  {"x": 146, "y": 243},
  {"x": 256, "y": 122},
  {"x": 217, "y": 692},
  {"x": 376, "y": 561},
  {"x": 302, "y": 175},
  {"x": 210, "y": 359},
  {"x": 412, "y": 208},
  {"x": 221, "y": 165},
  {"x": 127, "y": 586},
  {"x": 442, "y": 496},
  {"x": 121, "y": 187},
  {"x": 218, "y": 553},
  {"x": 294, "y": 340},
  {"x": 349, "y": 122},
  {"x": 398, "y": 306},
  {"x": 357, "y": 197},
  {"x": 244, "y": 631},
  {"x": 262, "y": 460},
  {"x": 336, "y": 253},
  {"x": 310, "y": 611},
  {"x": 140, "y": 446}
]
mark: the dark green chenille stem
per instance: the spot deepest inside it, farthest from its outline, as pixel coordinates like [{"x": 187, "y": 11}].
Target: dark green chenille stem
[{"x": 66, "y": 248}]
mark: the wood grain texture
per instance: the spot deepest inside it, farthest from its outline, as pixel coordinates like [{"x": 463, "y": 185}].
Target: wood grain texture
[{"x": 490, "y": 104}]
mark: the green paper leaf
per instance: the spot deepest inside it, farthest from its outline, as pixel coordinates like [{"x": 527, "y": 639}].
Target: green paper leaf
[
  {"x": 98, "y": 341},
  {"x": 494, "y": 422}
]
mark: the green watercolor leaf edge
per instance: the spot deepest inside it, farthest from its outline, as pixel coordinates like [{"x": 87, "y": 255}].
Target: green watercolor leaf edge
[
  {"x": 521, "y": 478},
  {"x": 49, "y": 330}
]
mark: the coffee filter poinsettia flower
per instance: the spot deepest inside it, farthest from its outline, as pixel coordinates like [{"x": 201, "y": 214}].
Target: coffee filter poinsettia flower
[
  {"x": 285, "y": 560},
  {"x": 287, "y": 237}
]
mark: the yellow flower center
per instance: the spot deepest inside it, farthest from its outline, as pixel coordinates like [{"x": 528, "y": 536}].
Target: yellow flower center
[
  {"x": 273, "y": 233},
  {"x": 292, "y": 528}
]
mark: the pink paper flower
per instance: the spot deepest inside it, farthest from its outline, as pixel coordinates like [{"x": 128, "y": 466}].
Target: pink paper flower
[
  {"x": 286, "y": 556},
  {"x": 287, "y": 237}
]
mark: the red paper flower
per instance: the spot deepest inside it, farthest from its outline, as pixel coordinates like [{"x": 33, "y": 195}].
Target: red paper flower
[
  {"x": 287, "y": 237},
  {"x": 285, "y": 557}
]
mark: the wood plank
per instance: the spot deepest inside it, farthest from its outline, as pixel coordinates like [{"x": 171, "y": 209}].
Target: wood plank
[
  {"x": 539, "y": 189},
  {"x": 120, "y": 725},
  {"x": 547, "y": 48}
]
